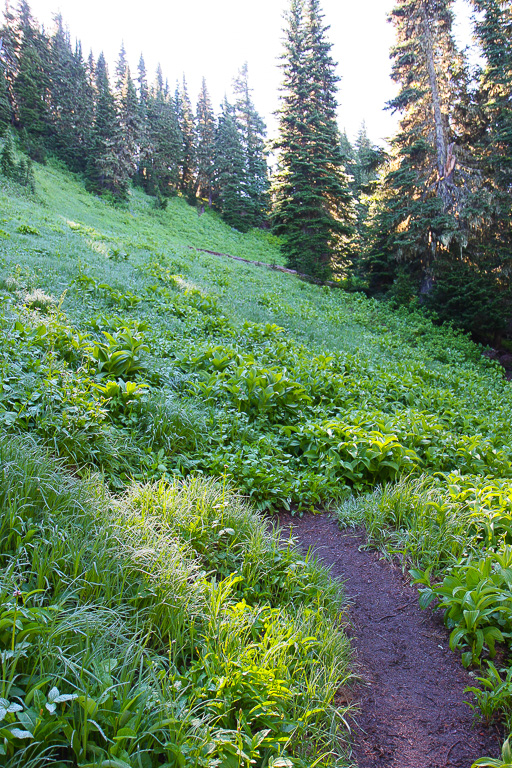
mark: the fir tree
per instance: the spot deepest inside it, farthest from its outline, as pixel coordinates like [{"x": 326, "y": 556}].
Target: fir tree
[
  {"x": 9, "y": 53},
  {"x": 5, "y": 106},
  {"x": 130, "y": 123},
  {"x": 483, "y": 271},
  {"x": 187, "y": 126},
  {"x": 205, "y": 126},
  {"x": 107, "y": 169},
  {"x": 31, "y": 84},
  {"x": 145, "y": 148},
  {"x": 71, "y": 101},
  {"x": 368, "y": 159},
  {"x": 362, "y": 162},
  {"x": 121, "y": 72},
  {"x": 424, "y": 204},
  {"x": 313, "y": 210},
  {"x": 494, "y": 32},
  {"x": 8, "y": 157},
  {"x": 230, "y": 170},
  {"x": 128, "y": 113},
  {"x": 253, "y": 132},
  {"x": 161, "y": 164},
  {"x": 438, "y": 215}
]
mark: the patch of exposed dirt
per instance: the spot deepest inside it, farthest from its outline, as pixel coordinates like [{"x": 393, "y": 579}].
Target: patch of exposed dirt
[{"x": 412, "y": 710}]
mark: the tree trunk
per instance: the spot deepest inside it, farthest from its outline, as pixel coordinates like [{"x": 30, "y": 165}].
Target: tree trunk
[{"x": 441, "y": 143}]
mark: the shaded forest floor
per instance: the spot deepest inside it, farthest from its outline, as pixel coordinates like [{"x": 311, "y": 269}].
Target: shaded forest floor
[{"x": 412, "y": 703}]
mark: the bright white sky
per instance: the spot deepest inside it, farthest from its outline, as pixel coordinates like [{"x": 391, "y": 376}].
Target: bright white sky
[{"x": 214, "y": 37}]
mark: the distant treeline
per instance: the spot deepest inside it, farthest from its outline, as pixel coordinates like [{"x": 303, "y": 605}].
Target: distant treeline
[
  {"x": 428, "y": 222},
  {"x": 118, "y": 129}
]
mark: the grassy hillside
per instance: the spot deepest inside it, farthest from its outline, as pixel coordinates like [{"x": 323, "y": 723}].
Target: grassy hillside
[{"x": 149, "y": 619}]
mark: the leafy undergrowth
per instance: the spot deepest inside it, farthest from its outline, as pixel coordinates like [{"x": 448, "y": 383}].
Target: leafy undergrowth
[
  {"x": 164, "y": 627},
  {"x": 128, "y": 353}
]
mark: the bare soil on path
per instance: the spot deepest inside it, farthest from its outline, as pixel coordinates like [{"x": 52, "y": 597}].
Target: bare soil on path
[{"x": 412, "y": 710}]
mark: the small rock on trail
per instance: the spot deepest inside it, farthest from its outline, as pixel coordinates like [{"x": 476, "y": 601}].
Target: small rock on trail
[{"x": 412, "y": 697}]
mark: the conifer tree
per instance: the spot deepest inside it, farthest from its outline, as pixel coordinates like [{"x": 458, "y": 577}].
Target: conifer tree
[
  {"x": 348, "y": 156},
  {"x": 436, "y": 217},
  {"x": 476, "y": 289},
  {"x": 423, "y": 209},
  {"x": 107, "y": 169},
  {"x": 494, "y": 31},
  {"x": 130, "y": 123},
  {"x": 313, "y": 210},
  {"x": 252, "y": 131},
  {"x": 8, "y": 157},
  {"x": 5, "y": 106},
  {"x": 368, "y": 158},
  {"x": 205, "y": 126},
  {"x": 362, "y": 162},
  {"x": 187, "y": 126},
  {"x": 128, "y": 113},
  {"x": 31, "y": 84},
  {"x": 8, "y": 55},
  {"x": 161, "y": 162},
  {"x": 121, "y": 72},
  {"x": 145, "y": 146},
  {"x": 71, "y": 104},
  {"x": 230, "y": 170}
]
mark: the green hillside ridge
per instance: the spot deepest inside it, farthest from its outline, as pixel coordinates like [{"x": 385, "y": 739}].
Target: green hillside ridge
[{"x": 152, "y": 398}]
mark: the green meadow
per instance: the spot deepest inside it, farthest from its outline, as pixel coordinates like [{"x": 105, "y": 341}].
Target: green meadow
[{"x": 157, "y": 405}]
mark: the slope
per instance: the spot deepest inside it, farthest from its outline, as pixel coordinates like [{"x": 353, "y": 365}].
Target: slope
[{"x": 128, "y": 353}]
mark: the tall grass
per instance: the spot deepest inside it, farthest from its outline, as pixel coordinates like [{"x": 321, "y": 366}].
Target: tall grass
[
  {"x": 414, "y": 520},
  {"x": 168, "y": 624}
]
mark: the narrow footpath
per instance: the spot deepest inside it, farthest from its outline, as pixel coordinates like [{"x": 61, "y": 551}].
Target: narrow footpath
[{"x": 412, "y": 710}]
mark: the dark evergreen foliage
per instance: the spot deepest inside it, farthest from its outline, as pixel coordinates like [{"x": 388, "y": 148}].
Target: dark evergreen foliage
[
  {"x": 422, "y": 210},
  {"x": 438, "y": 227},
  {"x": 205, "y": 127},
  {"x": 8, "y": 157},
  {"x": 313, "y": 205},
  {"x": 71, "y": 101},
  {"x": 442, "y": 217},
  {"x": 107, "y": 168},
  {"x": 363, "y": 162},
  {"x": 31, "y": 84},
  {"x": 252, "y": 131},
  {"x": 161, "y": 161},
  {"x": 5, "y": 106},
  {"x": 230, "y": 170},
  {"x": 21, "y": 171},
  {"x": 186, "y": 122}
]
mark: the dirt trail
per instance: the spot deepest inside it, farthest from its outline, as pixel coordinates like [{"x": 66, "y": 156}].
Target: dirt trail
[{"x": 412, "y": 701}]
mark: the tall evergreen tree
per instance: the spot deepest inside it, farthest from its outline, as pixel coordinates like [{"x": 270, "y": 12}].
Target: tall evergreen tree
[
  {"x": 494, "y": 31},
  {"x": 8, "y": 157},
  {"x": 161, "y": 161},
  {"x": 5, "y": 106},
  {"x": 362, "y": 162},
  {"x": 424, "y": 204},
  {"x": 205, "y": 127},
  {"x": 252, "y": 131},
  {"x": 8, "y": 54},
  {"x": 128, "y": 113},
  {"x": 230, "y": 170},
  {"x": 145, "y": 146},
  {"x": 436, "y": 214},
  {"x": 313, "y": 209},
  {"x": 485, "y": 271},
  {"x": 187, "y": 126},
  {"x": 31, "y": 85},
  {"x": 107, "y": 168},
  {"x": 71, "y": 102},
  {"x": 121, "y": 72},
  {"x": 130, "y": 123}
]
